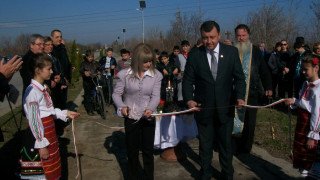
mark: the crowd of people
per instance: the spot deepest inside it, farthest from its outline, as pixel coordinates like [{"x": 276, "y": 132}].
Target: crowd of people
[{"x": 211, "y": 74}]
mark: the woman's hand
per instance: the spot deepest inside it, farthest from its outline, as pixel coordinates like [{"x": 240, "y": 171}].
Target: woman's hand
[
  {"x": 147, "y": 113},
  {"x": 310, "y": 143},
  {"x": 125, "y": 111},
  {"x": 72, "y": 114},
  {"x": 44, "y": 153},
  {"x": 289, "y": 101}
]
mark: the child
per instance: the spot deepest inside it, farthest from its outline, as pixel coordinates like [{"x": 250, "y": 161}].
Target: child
[
  {"x": 40, "y": 157},
  {"x": 307, "y": 127},
  {"x": 108, "y": 63},
  {"x": 126, "y": 61},
  {"x": 168, "y": 70},
  {"x": 87, "y": 68}
]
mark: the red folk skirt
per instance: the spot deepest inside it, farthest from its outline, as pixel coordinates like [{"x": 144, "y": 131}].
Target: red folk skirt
[
  {"x": 51, "y": 167},
  {"x": 302, "y": 156}
]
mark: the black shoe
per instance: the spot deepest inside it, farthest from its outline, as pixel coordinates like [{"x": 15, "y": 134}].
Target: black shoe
[{"x": 91, "y": 113}]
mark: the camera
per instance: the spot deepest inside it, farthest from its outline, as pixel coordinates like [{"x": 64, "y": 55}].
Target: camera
[{"x": 7, "y": 58}]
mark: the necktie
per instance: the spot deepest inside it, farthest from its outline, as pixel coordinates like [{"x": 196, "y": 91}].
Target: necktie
[{"x": 214, "y": 65}]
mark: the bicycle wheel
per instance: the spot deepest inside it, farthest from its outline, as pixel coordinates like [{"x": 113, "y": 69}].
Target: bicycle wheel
[{"x": 101, "y": 103}]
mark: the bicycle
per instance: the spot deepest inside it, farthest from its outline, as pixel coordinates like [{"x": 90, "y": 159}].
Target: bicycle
[{"x": 98, "y": 100}]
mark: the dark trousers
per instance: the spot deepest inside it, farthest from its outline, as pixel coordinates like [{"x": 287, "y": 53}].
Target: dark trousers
[
  {"x": 285, "y": 85},
  {"x": 275, "y": 82},
  {"x": 105, "y": 88},
  {"x": 64, "y": 98},
  {"x": 214, "y": 130},
  {"x": 56, "y": 96},
  {"x": 59, "y": 101},
  {"x": 110, "y": 89},
  {"x": 88, "y": 96},
  {"x": 298, "y": 82},
  {"x": 140, "y": 134},
  {"x": 246, "y": 140}
]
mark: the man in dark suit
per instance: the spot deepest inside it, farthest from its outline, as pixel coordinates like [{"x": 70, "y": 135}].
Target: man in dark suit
[{"x": 214, "y": 79}]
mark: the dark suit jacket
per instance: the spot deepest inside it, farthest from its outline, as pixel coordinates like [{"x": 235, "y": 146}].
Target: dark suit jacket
[
  {"x": 259, "y": 75},
  {"x": 222, "y": 92}
]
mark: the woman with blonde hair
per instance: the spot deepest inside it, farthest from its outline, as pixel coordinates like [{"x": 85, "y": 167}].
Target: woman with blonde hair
[{"x": 140, "y": 87}]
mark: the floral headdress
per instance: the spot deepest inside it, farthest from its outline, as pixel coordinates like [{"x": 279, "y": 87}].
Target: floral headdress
[{"x": 315, "y": 61}]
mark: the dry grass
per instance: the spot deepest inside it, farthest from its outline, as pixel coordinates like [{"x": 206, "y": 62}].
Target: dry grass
[{"x": 272, "y": 131}]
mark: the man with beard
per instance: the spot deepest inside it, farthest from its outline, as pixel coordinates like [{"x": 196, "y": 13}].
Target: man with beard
[
  {"x": 213, "y": 77},
  {"x": 255, "y": 71}
]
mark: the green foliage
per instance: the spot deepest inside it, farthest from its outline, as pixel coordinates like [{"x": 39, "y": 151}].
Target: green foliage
[
  {"x": 101, "y": 53},
  {"x": 75, "y": 57}
]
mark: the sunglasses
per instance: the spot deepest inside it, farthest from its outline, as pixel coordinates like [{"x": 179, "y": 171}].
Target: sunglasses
[{"x": 284, "y": 44}]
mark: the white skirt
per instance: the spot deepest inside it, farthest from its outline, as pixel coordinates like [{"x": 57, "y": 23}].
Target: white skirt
[{"x": 170, "y": 130}]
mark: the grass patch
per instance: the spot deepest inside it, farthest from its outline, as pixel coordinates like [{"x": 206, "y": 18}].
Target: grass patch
[{"x": 272, "y": 131}]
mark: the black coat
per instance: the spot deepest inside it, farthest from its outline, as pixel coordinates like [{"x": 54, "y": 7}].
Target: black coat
[
  {"x": 25, "y": 70},
  {"x": 223, "y": 92},
  {"x": 4, "y": 84},
  {"x": 60, "y": 52},
  {"x": 259, "y": 74}
]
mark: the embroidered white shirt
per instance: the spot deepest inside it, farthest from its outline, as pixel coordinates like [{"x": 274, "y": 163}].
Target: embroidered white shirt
[
  {"x": 37, "y": 104},
  {"x": 310, "y": 101}
]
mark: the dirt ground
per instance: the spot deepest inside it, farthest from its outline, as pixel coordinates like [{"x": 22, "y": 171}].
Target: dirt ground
[{"x": 102, "y": 155}]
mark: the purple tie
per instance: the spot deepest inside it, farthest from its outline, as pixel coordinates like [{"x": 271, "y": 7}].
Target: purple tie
[{"x": 214, "y": 65}]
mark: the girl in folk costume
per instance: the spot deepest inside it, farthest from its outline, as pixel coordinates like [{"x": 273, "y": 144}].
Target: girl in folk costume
[
  {"x": 308, "y": 122},
  {"x": 40, "y": 157}
]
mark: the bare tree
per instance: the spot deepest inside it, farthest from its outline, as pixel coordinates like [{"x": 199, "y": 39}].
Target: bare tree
[
  {"x": 21, "y": 44},
  {"x": 185, "y": 27},
  {"x": 266, "y": 24},
  {"x": 315, "y": 22},
  {"x": 6, "y": 47}
]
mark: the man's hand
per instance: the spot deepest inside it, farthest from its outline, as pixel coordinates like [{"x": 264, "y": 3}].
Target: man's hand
[
  {"x": 44, "y": 153},
  {"x": 63, "y": 87},
  {"x": 10, "y": 67},
  {"x": 240, "y": 103},
  {"x": 53, "y": 84},
  {"x": 286, "y": 70},
  {"x": 57, "y": 78},
  {"x": 165, "y": 72},
  {"x": 175, "y": 71},
  {"x": 191, "y": 104},
  {"x": 269, "y": 93}
]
